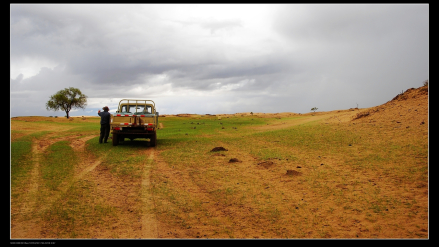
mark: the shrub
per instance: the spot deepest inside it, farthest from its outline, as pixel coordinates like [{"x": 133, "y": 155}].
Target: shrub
[
  {"x": 425, "y": 83},
  {"x": 361, "y": 114}
]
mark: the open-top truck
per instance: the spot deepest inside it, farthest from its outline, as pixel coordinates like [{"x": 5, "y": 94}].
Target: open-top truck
[{"x": 135, "y": 118}]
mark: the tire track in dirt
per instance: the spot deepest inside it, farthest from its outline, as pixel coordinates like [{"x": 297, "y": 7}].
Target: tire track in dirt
[
  {"x": 78, "y": 145},
  {"x": 23, "y": 228},
  {"x": 218, "y": 212},
  {"x": 63, "y": 189},
  {"x": 35, "y": 174},
  {"x": 20, "y": 227},
  {"x": 149, "y": 221}
]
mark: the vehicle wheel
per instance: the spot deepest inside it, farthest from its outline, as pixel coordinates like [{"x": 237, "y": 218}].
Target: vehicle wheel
[
  {"x": 115, "y": 140},
  {"x": 153, "y": 140}
]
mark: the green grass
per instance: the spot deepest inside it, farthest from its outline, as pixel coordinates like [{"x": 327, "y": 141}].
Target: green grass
[
  {"x": 21, "y": 161},
  {"x": 123, "y": 160},
  {"x": 58, "y": 164}
]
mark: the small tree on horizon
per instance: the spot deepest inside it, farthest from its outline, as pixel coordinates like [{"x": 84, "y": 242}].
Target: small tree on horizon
[
  {"x": 314, "y": 109},
  {"x": 67, "y": 99}
]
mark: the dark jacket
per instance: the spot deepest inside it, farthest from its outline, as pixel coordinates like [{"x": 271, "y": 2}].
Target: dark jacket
[{"x": 105, "y": 117}]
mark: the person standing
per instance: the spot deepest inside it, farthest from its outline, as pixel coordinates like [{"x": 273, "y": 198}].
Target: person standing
[{"x": 105, "y": 124}]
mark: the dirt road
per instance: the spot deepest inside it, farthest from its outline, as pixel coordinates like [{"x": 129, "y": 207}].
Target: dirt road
[{"x": 27, "y": 221}]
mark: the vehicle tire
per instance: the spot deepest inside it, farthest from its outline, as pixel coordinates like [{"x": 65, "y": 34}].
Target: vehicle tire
[
  {"x": 153, "y": 140},
  {"x": 115, "y": 140}
]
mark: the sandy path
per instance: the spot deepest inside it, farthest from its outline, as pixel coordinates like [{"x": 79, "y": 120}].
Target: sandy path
[
  {"x": 149, "y": 221},
  {"x": 22, "y": 228}
]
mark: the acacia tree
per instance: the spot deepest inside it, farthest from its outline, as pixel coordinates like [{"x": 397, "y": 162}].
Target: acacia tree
[
  {"x": 66, "y": 100},
  {"x": 314, "y": 109}
]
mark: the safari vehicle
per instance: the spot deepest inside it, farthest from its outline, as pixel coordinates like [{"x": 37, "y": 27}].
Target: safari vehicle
[{"x": 133, "y": 119}]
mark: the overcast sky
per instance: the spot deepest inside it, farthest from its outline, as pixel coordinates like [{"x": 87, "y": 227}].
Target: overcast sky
[{"x": 214, "y": 59}]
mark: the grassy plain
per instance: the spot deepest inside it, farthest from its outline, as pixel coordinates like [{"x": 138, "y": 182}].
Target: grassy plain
[{"x": 316, "y": 175}]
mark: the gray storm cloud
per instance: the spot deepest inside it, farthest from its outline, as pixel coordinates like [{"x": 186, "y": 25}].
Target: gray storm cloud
[{"x": 270, "y": 57}]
